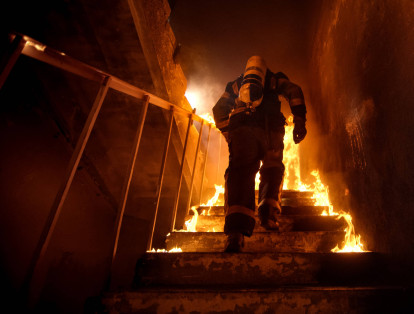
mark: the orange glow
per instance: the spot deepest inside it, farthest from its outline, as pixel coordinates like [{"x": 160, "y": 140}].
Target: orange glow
[
  {"x": 191, "y": 224},
  {"x": 257, "y": 179},
  {"x": 173, "y": 250},
  {"x": 292, "y": 181},
  {"x": 216, "y": 200},
  {"x": 321, "y": 194},
  {"x": 291, "y": 161},
  {"x": 209, "y": 118},
  {"x": 36, "y": 46},
  {"x": 193, "y": 98},
  {"x": 352, "y": 242}
]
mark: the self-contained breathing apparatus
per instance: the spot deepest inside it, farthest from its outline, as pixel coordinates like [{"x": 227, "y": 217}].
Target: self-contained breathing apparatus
[
  {"x": 252, "y": 86},
  {"x": 251, "y": 94}
]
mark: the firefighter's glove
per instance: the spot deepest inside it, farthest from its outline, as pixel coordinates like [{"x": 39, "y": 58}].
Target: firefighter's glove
[
  {"x": 299, "y": 131},
  {"x": 226, "y": 136}
]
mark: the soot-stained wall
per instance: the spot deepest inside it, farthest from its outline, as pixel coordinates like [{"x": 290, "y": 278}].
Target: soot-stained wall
[
  {"x": 42, "y": 113},
  {"x": 361, "y": 82}
]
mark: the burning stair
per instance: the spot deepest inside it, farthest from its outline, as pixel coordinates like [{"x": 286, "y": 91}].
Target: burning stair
[{"x": 290, "y": 271}]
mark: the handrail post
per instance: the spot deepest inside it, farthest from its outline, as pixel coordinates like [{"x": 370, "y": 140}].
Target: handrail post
[
  {"x": 127, "y": 183},
  {"x": 13, "y": 52},
  {"x": 205, "y": 164},
  {"x": 161, "y": 178},
  {"x": 60, "y": 198},
  {"x": 177, "y": 196},
  {"x": 194, "y": 167}
]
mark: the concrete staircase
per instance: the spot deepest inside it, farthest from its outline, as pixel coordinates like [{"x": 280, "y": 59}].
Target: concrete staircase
[{"x": 290, "y": 271}]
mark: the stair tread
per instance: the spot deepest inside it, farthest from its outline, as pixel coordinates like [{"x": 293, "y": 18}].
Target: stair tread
[
  {"x": 258, "y": 269},
  {"x": 295, "y": 241},
  {"x": 290, "y": 299},
  {"x": 287, "y": 223},
  {"x": 219, "y": 233},
  {"x": 328, "y": 254},
  {"x": 222, "y": 206},
  {"x": 286, "y": 210},
  {"x": 307, "y": 287},
  {"x": 292, "y": 270}
]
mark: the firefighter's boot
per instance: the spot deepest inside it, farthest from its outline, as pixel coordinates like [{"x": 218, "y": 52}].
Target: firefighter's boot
[
  {"x": 235, "y": 243},
  {"x": 268, "y": 215}
]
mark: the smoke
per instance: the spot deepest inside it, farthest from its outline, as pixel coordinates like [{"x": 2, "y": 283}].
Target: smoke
[
  {"x": 215, "y": 48},
  {"x": 203, "y": 93},
  {"x": 204, "y": 87}
]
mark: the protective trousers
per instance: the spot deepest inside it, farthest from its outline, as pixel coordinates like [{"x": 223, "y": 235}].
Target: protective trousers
[{"x": 247, "y": 147}]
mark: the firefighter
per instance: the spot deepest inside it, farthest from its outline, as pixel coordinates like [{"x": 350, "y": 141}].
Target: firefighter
[{"x": 248, "y": 115}]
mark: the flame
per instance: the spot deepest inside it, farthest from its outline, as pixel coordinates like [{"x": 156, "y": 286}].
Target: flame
[
  {"x": 257, "y": 179},
  {"x": 291, "y": 161},
  {"x": 191, "y": 224},
  {"x": 215, "y": 200},
  {"x": 352, "y": 242},
  {"x": 321, "y": 194},
  {"x": 208, "y": 118},
  {"x": 173, "y": 250},
  {"x": 292, "y": 181},
  {"x": 196, "y": 100}
]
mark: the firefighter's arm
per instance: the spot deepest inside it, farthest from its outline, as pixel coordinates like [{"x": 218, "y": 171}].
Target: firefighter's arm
[
  {"x": 223, "y": 108},
  {"x": 294, "y": 95}
]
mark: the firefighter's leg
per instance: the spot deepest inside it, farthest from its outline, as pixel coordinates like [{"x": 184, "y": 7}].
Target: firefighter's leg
[
  {"x": 271, "y": 181},
  {"x": 243, "y": 165}
]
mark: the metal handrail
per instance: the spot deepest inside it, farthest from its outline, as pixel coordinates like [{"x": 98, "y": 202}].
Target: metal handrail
[
  {"x": 36, "y": 50},
  {"x": 22, "y": 44}
]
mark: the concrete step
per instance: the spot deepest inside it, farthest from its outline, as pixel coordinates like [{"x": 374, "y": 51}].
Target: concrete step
[
  {"x": 292, "y": 194},
  {"x": 290, "y": 198},
  {"x": 248, "y": 270},
  {"x": 320, "y": 241},
  {"x": 331, "y": 299},
  {"x": 298, "y": 202},
  {"x": 294, "y": 202},
  {"x": 286, "y": 210},
  {"x": 288, "y": 194},
  {"x": 215, "y": 223}
]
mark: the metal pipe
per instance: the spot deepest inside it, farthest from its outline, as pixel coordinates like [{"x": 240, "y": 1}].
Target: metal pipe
[
  {"x": 205, "y": 164},
  {"x": 194, "y": 168},
  {"x": 13, "y": 52},
  {"x": 127, "y": 184},
  {"x": 177, "y": 196},
  {"x": 161, "y": 178},
  {"x": 47, "y": 232}
]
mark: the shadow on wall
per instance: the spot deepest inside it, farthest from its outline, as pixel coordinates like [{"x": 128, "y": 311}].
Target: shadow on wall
[{"x": 361, "y": 103}]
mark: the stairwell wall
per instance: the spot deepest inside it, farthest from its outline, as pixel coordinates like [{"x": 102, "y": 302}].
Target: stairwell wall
[
  {"x": 42, "y": 113},
  {"x": 362, "y": 67}
]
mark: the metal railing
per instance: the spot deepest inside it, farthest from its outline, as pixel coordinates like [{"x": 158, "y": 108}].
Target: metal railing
[{"x": 21, "y": 44}]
